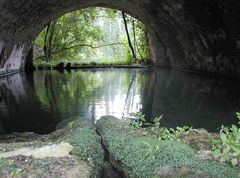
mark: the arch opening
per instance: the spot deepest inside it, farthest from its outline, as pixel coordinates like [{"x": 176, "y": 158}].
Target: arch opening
[
  {"x": 31, "y": 22},
  {"x": 179, "y": 35},
  {"x": 92, "y": 36}
]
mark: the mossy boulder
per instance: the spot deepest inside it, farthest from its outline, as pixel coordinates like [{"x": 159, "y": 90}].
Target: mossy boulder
[
  {"x": 140, "y": 156},
  {"x": 86, "y": 145},
  {"x": 74, "y": 151}
]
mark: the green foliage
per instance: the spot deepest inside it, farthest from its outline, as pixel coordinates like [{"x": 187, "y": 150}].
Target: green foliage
[
  {"x": 152, "y": 150},
  {"x": 159, "y": 132},
  {"x": 128, "y": 149},
  {"x": 16, "y": 172},
  {"x": 8, "y": 166},
  {"x": 142, "y": 39},
  {"x": 71, "y": 125},
  {"x": 89, "y": 35},
  {"x": 138, "y": 123},
  {"x": 173, "y": 134},
  {"x": 156, "y": 126},
  {"x": 227, "y": 147},
  {"x": 128, "y": 57},
  {"x": 71, "y": 34},
  {"x": 168, "y": 133}
]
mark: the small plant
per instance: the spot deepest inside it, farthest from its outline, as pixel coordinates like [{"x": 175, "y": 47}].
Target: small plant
[
  {"x": 173, "y": 134},
  {"x": 152, "y": 150},
  {"x": 156, "y": 125},
  {"x": 168, "y": 134},
  {"x": 138, "y": 123},
  {"x": 160, "y": 132},
  {"x": 227, "y": 147},
  {"x": 16, "y": 172},
  {"x": 71, "y": 125}
]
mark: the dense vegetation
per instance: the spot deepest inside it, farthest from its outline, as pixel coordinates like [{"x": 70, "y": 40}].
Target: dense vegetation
[
  {"x": 93, "y": 35},
  {"x": 226, "y": 149}
]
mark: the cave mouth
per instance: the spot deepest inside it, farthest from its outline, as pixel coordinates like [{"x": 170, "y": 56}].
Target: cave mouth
[{"x": 92, "y": 36}]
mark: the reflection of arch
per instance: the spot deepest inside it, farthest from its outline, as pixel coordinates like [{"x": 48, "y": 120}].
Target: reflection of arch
[
  {"x": 19, "y": 105},
  {"x": 172, "y": 36}
]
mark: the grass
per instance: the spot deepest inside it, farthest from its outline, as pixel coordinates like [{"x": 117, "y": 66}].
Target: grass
[
  {"x": 44, "y": 64},
  {"x": 78, "y": 63},
  {"x": 132, "y": 152}
]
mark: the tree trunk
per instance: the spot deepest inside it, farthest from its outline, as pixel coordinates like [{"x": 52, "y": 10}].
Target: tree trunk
[
  {"x": 128, "y": 36},
  {"x": 45, "y": 47},
  {"x": 134, "y": 37},
  {"x": 50, "y": 40}
]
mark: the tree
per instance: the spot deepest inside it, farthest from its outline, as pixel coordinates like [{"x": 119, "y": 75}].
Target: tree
[
  {"x": 128, "y": 36},
  {"x": 65, "y": 37},
  {"x": 78, "y": 36}
]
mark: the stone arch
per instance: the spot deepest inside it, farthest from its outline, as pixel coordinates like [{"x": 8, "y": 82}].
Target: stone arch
[
  {"x": 25, "y": 19},
  {"x": 178, "y": 38}
]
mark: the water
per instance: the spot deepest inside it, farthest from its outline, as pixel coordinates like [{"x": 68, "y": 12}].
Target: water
[{"x": 41, "y": 101}]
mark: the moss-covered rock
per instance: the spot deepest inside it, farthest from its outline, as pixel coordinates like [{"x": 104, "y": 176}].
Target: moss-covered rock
[
  {"x": 141, "y": 156},
  {"x": 74, "y": 151},
  {"x": 86, "y": 145}
]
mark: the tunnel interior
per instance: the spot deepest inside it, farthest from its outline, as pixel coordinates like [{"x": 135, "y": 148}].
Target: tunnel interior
[
  {"x": 187, "y": 35},
  {"x": 199, "y": 114}
]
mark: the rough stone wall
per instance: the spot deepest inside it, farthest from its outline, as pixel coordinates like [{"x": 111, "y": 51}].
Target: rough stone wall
[
  {"x": 218, "y": 22},
  {"x": 198, "y": 35}
]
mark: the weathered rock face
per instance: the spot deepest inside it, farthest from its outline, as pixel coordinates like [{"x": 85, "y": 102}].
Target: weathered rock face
[{"x": 187, "y": 34}]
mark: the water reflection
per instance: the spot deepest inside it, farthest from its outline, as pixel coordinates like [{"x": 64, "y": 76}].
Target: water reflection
[{"x": 38, "y": 102}]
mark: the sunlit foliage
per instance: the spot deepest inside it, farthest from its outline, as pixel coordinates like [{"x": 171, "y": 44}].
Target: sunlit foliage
[{"x": 91, "y": 35}]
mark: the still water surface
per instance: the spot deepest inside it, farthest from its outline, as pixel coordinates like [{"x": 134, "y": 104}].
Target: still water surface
[{"x": 38, "y": 102}]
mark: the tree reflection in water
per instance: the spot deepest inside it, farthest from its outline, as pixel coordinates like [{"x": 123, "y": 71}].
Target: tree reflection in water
[{"x": 38, "y": 102}]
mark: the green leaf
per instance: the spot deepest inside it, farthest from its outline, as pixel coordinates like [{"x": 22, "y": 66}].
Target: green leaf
[
  {"x": 223, "y": 137},
  {"x": 223, "y": 159},
  {"x": 216, "y": 154},
  {"x": 236, "y": 151},
  {"x": 238, "y": 115},
  {"x": 238, "y": 135},
  {"x": 226, "y": 150},
  {"x": 234, "y": 128},
  {"x": 234, "y": 161}
]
